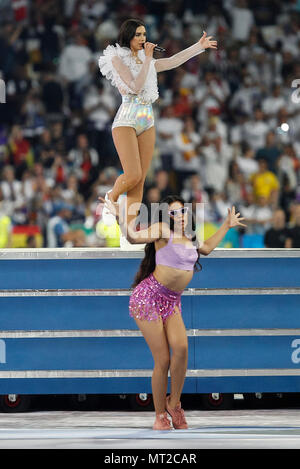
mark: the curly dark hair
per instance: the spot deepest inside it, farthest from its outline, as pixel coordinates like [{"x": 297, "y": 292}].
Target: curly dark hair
[{"x": 148, "y": 264}]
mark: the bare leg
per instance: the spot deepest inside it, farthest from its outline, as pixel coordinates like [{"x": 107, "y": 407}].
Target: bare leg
[
  {"x": 146, "y": 143},
  {"x": 126, "y": 144},
  {"x": 154, "y": 334},
  {"x": 177, "y": 339}
]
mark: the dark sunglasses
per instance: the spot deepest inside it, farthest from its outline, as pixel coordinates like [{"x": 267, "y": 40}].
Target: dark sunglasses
[{"x": 178, "y": 211}]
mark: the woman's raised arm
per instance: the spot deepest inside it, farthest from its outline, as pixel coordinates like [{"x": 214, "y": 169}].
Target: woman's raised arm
[{"x": 181, "y": 57}]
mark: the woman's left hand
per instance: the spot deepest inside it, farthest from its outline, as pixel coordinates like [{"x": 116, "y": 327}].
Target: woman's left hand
[
  {"x": 233, "y": 219},
  {"x": 112, "y": 207},
  {"x": 206, "y": 42}
]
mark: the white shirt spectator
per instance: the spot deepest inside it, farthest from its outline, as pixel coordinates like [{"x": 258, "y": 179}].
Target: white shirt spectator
[
  {"x": 215, "y": 171},
  {"x": 242, "y": 22},
  {"x": 167, "y": 128},
  {"x": 286, "y": 167},
  {"x": 244, "y": 98},
  {"x": 261, "y": 68},
  {"x": 257, "y": 212},
  {"x": 210, "y": 96},
  {"x": 13, "y": 191},
  {"x": 255, "y": 133},
  {"x": 105, "y": 103},
  {"x": 248, "y": 166},
  {"x": 90, "y": 12},
  {"x": 74, "y": 61},
  {"x": 179, "y": 161},
  {"x": 272, "y": 104}
]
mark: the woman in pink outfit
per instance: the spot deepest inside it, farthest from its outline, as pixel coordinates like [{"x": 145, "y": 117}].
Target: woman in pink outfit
[
  {"x": 130, "y": 67},
  {"x": 172, "y": 254}
]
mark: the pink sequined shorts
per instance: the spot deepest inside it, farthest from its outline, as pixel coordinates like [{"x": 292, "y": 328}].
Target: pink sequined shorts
[{"x": 150, "y": 300}]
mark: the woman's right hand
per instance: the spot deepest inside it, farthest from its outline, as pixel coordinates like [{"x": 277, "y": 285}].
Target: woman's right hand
[{"x": 149, "y": 49}]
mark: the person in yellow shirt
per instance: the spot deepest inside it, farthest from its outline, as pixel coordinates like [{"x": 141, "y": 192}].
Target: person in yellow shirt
[
  {"x": 111, "y": 234},
  {"x": 264, "y": 182},
  {"x": 5, "y": 231},
  {"x": 5, "y": 225}
]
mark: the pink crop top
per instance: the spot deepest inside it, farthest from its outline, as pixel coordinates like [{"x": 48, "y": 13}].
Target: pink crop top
[{"x": 177, "y": 255}]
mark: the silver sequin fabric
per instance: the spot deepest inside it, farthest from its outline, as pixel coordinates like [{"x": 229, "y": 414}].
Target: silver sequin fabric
[{"x": 136, "y": 113}]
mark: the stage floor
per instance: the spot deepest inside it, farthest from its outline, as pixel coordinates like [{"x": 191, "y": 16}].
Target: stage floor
[{"x": 236, "y": 429}]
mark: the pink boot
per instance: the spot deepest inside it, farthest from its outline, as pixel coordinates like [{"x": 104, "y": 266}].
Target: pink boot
[
  {"x": 162, "y": 422},
  {"x": 177, "y": 415}
]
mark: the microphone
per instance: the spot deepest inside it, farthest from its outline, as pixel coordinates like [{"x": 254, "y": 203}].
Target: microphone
[{"x": 157, "y": 48}]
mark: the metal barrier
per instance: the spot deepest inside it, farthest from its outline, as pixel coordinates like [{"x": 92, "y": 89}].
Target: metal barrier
[{"x": 65, "y": 328}]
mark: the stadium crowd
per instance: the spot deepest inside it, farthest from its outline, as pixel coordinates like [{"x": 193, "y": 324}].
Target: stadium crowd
[{"x": 227, "y": 121}]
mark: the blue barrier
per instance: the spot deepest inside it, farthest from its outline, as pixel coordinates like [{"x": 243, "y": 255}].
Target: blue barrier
[{"x": 65, "y": 328}]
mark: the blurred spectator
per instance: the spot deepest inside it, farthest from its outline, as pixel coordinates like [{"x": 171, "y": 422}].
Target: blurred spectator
[
  {"x": 99, "y": 108},
  {"x": 20, "y": 152},
  {"x": 181, "y": 104},
  {"x": 237, "y": 100},
  {"x": 294, "y": 231},
  {"x": 13, "y": 196},
  {"x": 273, "y": 103},
  {"x": 236, "y": 184},
  {"x": 76, "y": 155},
  {"x": 277, "y": 235},
  {"x": 168, "y": 126},
  {"x": 255, "y": 130},
  {"x": 264, "y": 182},
  {"x": 258, "y": 216},
  {"x": 246, "y": 161},
  {"x": 10, "y": 33},
  {"x": 152, "y": 196},
  {"x": 32, "y": 115},
  {"x": 242, "y": 20},
  {"x": 288, "y": 166},
  {"x": 104, "y": 182},
  {"x": 52, "y": 94},
  {"x": 88, "y": 173},
  {"x": 193, "y": 190},
  {"x": 210, "y": 96},
  {"x": 109, "y": 235},
  {"x": 162, "y": 183},
  {"x": 70, "y": 192},
  {"x": 270, "y": 151},
  {"x": 287, "y": 196},
  {"x": 5, "y": 225},
  {"x": 74, "y": 66},
  {"x": 59, "y": 233},
  {"x": 90, "y": 11},
  {"x": 186, "y": 157},
  {"x": 246, "y": 97},
  {"x": 215, "y": 156},
  {"x": 220, "y": 204}
]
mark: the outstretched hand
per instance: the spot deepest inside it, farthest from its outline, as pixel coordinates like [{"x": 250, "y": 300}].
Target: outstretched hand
[
  {"x": 207, "y": 42},
  {"x": 233, "y": 219}
]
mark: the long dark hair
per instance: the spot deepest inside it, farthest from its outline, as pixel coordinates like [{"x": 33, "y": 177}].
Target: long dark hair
[
  {"x": 127, "y": 31},
  {"x": 148, "y": 264}
]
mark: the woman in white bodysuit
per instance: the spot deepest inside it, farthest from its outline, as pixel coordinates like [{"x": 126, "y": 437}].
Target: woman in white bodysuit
[{"x": 130, "y": 66}]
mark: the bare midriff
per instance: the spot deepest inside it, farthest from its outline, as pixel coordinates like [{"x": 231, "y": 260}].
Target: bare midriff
[{"x": 174, "y": 279}]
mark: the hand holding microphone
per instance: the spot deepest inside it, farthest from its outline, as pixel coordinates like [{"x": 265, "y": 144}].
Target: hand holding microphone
[{"x": 149, "y": 48}]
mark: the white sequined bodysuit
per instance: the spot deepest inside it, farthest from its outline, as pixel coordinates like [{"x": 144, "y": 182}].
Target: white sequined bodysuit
[{"x": 137, "y": 83}]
